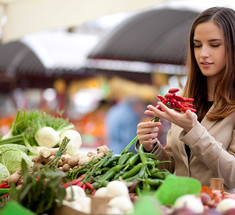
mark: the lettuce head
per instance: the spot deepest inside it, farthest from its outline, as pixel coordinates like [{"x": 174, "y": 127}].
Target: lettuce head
[
  {"x": 4, "y": 173},
  {"x": 11, "y": 156}
]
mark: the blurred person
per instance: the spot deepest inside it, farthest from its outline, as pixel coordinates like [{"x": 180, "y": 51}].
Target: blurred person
[
  {"x": 121, "y": 122},
  {"x": 202, "y": 144}
]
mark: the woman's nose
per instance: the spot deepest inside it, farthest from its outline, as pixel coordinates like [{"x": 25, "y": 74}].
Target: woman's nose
[{"x": 204, "y": 53}]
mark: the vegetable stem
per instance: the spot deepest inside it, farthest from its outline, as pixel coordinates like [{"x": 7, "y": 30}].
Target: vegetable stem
[{"x": 130, "y": 144}]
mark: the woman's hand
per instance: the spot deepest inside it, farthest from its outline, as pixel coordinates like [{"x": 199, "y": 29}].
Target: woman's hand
[
  {"x": 185, "y": 120},
  {"x": 148, "y": 132}
]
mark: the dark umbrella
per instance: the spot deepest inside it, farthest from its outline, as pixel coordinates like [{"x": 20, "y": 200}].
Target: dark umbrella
[{"x": 154, "y": 36}]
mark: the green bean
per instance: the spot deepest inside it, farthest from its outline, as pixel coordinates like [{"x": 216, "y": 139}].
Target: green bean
[
  {"x": 110, "y": 173},
  {"x": 133, "y": 171},
  {"x": 122, "y": 160},
  {"x": 132, "y": 160},
  {"x": 111, "y": 160},
  {"x": 143, "y": 158}
]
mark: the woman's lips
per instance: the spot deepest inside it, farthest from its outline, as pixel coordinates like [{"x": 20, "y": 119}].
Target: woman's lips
[{"x": 206, "y": 64}]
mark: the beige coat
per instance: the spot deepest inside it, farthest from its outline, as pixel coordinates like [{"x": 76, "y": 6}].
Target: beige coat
[{"x": 212, "y": 151}]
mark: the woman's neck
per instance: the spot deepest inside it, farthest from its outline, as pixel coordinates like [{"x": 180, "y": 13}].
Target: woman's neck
[{"x": 211, "y": 82}]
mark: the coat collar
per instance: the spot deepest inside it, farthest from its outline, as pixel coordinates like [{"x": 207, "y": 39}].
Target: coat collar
[{"x": 207, "y": 124}]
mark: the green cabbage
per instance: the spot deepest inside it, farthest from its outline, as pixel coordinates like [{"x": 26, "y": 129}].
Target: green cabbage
[
  {"x": 4, "y": 173},
  {"x": 11, "y": 156}
]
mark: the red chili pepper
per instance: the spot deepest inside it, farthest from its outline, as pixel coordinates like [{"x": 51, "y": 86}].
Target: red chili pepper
[
  {"x": 6, "y": 186},
  {"x": 89, "y": 185},
  {"x": 165, "y": 101},
  {"x": 189, "y": 99},
  {"x": 158, "y": 107},
  {"x": 20, "y": 182},
  {"x": 169, "y": 95},
  {"x": 160, "y": 97},
  {"x": 82, "y": 176},
  {"x": 172, "y": 105},
  {"x": 172, "y": 100},
  {"x": 83, "y": 187},
  {"x": 180, "y": 98},
  {"x": 75, "y": 181},
  {"x": 186, "y": 104},
  {"x": 79, "y": 184},
  {"x": 178, "y": 104},
  {"x": 192, "y": 109},
  {"x": 66, "y": 185},
  {"x": 93, "y": 192},
  {"x": 2, "y": 185},
  {"x": 6, "y": 195},
  {"x": 173, "y": 90}
]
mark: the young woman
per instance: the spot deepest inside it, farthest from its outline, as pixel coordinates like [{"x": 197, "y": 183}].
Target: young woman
[{"x": 202, "y": 144}]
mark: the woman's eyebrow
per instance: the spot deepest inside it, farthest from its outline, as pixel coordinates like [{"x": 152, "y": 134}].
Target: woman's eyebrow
[{"x": 211, "y": 40}]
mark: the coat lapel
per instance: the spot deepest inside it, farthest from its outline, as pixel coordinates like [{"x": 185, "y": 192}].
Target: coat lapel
[{"x": 208, "y": 123}]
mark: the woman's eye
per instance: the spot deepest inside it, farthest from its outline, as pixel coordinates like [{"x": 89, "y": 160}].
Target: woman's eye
[
  {"x": 215, "y": 45},
  {"x": 197, "y": 45}
]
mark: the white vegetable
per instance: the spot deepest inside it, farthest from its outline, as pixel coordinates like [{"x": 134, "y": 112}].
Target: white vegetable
[
  {"x": 123, "y": 203},
  {"x": 85, "y": 203},
  {"x": 74, "y": 143},
  {"x": 190, "y": 201},
  {"x": 101, "y": 192},
  {"x": 47, "y": 137},
  {"x": 116, "y": 188},
  {"x": 225, "y": 205},
  {"x": 114, "y": 210},
  {"x": 73, "y": 204},
  {"x": 74, "y": 193}
]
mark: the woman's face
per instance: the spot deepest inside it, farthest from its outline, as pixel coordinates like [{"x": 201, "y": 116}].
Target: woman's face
[{"x": 209, "y": 49}]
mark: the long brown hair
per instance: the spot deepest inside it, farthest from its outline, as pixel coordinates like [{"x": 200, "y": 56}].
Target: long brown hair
[{"x": 196, "y": 86}]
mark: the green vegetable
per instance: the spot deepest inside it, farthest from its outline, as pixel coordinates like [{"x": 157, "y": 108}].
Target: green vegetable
[
  {"x": 40, "y": 191},
  {"x": 4, "y": 173},
  {"x": 110, "y": 173},
  {"x": 27, "y": 123},
  {"x": 133, "y": 171},
  {"x": 11, "y": 156},
  {"x": 122, "y": 160}
]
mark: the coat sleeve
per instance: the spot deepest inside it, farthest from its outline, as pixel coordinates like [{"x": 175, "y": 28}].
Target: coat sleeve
[
  {"x": 162, "y": 154},
  {"x": 212, "y": 153}
]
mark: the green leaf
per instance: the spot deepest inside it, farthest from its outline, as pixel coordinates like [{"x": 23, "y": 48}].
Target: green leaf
[
  {"x": 146, "y": 205},
  {"x": 24, "y": 169},
  {"x": 176, "y": 186},
  {"x": 14, "y": 193}
]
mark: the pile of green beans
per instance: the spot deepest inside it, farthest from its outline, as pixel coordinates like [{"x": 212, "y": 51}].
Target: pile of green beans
[{"x": 140, "y": 167}]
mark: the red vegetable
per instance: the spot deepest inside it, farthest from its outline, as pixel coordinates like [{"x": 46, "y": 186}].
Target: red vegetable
[
  {"x": 89, "y": 185},
  {"x": 173, "y": 90},
  {"x": 169, "y": 95},
  {"x": 74, "y": 182},
  {"x": 3, "y": 185},
  {"x": 189, "y": 99},
  {"x": 180, "y": 98},
  {"x": 160, "y": 97}
]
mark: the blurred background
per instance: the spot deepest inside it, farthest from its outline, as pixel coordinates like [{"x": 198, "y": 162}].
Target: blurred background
[{"x": 101, "y": 62}]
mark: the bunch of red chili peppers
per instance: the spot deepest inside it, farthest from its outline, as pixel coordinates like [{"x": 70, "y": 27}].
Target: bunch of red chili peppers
[
  {"x": 86, "y": 186},
  {"x": 176, "y": 102}
]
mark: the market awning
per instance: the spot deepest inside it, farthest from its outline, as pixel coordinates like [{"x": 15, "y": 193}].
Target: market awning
[
  {"x": 157, "y": 37},
  {"x": 38, "y": 59},
  {"x": 153, "y": 36}
]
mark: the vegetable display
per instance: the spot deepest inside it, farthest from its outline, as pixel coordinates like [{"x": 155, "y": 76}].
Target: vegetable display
[
  {"x": 61, "y": 176},
  {"x": 139, "y": 169},
  {"x": 36, "y": 129}
]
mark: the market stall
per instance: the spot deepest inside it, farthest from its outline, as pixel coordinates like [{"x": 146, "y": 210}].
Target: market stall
[{"x": 43, "y": 171}]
